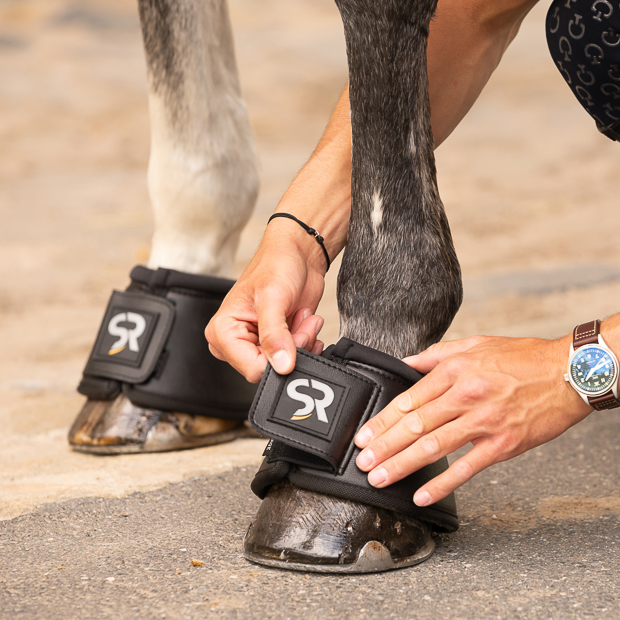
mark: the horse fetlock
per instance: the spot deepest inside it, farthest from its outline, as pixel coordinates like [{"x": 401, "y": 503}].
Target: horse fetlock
[{"x": 201, "y": 206}]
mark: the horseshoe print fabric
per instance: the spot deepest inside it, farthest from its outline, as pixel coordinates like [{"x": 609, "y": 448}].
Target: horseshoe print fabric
[{"x": 584, "y": 41}]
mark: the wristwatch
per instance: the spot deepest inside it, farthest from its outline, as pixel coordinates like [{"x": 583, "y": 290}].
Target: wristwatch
[{"x": 593, "y": 368}]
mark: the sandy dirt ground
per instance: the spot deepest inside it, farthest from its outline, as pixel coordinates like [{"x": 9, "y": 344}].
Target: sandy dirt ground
[{"x": 522, "y": 178}]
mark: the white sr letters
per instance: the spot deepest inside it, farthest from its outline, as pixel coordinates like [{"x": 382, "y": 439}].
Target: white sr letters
[
  {"x": 126, "y": 335},
  {"x": 309, "y": 402}
]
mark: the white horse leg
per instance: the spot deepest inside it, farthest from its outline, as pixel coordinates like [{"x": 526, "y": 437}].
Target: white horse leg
[
  {"x": 203, "y": 184},
  {"x": 202, "y": 175}
]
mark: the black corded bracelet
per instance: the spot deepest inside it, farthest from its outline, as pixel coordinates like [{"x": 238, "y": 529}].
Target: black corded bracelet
[{"x": 310, "y": 231}]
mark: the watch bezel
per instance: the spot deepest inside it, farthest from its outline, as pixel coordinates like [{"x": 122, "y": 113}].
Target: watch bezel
[{"x": 604, "y": 389}]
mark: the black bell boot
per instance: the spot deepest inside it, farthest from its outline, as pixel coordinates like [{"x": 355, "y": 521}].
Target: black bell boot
[
  {"x": 319, "y": 513},
  {"x": 152, "y": 383}
]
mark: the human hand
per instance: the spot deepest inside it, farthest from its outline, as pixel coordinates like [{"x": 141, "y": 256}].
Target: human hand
[
  {"x": 270, "y": 309},
  {"x": 504, "y": 395}
]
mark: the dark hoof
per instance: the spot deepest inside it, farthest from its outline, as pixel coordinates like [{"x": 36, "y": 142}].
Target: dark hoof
[
  {"x": 312, "y": 532},
  {"x": 118, "y": 427}
]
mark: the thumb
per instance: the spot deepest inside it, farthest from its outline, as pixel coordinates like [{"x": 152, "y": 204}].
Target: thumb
[{"x": 274, "y": 335}]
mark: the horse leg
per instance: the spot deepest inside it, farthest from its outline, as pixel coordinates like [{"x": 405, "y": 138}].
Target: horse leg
[
  {"x": 202, "y": 175},
  {"x": 203, "y": 183},
  {"x": 398, "y": 288}
]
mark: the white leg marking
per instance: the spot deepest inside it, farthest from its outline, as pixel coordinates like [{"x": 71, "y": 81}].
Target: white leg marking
[
  {"x": 412, "y": 145},
  {"x": 376, "y": 215}
]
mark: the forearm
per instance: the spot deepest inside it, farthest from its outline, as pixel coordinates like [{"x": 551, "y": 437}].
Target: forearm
[
  {"x": 467, "y": 41},
  {"x": 320, "y": 194}
]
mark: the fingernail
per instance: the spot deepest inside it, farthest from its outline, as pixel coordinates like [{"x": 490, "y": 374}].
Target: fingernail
[
  {"x": 422, "y": 498},
  {"x": 363, "y": 438},
  {"x": 319, "y": 326},
  {"x": 378, "y": 477},
  {"x": 280, "y": 361},
  {"x": 306, "y": 313},
  {"x": 410, "y": 360},
  {"x": 365, "y": 459}
]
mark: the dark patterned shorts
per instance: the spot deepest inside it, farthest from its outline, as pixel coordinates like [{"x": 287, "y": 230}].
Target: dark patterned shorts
[{"x": 584, "y": 41}]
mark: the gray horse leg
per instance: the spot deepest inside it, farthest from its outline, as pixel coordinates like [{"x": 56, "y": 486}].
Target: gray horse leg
[{"x": 398, "y": 288}]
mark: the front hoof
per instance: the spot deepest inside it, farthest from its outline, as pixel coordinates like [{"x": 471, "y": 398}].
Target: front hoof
[
  {"x": 118, "y": 427},
  {"x": 307, "y": 531}
]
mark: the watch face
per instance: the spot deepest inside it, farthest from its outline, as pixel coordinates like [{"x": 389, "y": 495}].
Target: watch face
[{"x": 593, "y": 370}]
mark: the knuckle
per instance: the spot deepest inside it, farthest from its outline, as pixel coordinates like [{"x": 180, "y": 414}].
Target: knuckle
[
  {"x": 377, "y": 425},
  {"x": 396, "y": 470},
  {"x": 210, "y": 331},
  {"x": 414, "y": 423},
  {"x": 463, "y": 471},
  {"x": 254, "y": 377},
  {"x": 453, "y": 364},
  {"x": 479, "y": 339},
  {"x": 434, "y": 349},
  {"x": 474, "y": 389},
  {"x": 406, "y": 402},
  {"x": 505, "y": 444},
  {"x": 431, "y": 446},
  {"x": 379, "y": 447}
]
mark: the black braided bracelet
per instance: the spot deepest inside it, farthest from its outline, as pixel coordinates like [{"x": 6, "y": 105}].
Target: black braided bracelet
[{"x": 310, "y": 231}]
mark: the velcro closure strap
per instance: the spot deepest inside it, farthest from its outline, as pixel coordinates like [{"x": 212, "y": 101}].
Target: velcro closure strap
[
  {"x": 131, "y": 338},
  {"x": 315, "y": 410}
]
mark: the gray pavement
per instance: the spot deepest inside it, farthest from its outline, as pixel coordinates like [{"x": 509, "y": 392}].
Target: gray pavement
[{"x": 538, "y": 539}]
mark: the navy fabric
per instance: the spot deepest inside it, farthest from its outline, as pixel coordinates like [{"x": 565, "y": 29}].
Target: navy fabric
[{"x": 584, "y": 41}]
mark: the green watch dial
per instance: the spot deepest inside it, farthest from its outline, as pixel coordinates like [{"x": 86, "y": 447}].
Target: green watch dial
[{"x": 593, "y": 370}]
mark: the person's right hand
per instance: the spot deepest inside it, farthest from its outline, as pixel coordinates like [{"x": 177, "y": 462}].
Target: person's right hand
[{"x": 270, "y": 310}]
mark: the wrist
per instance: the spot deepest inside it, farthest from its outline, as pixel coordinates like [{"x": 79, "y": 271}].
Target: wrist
[
  {"x": 569, "y": 399},
  {"x": 286, "y": 237},
  {"x": 320, "y": 195}
]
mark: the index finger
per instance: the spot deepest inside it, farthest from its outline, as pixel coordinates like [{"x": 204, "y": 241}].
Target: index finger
[
  {"x": 236, "y": 342},
  {"x": 428, "y": 388}
]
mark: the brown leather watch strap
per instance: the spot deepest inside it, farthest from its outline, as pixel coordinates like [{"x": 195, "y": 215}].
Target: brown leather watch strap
[
  {"x": 586, "y": 333},
  {"x": 605, "y": 401}
]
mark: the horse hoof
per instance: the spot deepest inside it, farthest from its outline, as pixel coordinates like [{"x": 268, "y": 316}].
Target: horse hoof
[
  {"x": 307, "y": 531},
  {"x": 119, "y": 427}
]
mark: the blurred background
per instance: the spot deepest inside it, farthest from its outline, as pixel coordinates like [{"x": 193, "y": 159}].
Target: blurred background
[{"x": 522, "y": 178}]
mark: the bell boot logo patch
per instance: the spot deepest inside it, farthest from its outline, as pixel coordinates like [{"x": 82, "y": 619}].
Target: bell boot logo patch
[
  {"x": 126, "y": 336},
  {"x": 310, "y": 404}
]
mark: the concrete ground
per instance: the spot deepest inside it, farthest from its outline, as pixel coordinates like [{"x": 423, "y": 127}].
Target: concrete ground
[{"x": 521, "y": 179}]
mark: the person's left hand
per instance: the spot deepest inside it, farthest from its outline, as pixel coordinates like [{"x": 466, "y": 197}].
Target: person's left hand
[{"x": 504, "y": 395}]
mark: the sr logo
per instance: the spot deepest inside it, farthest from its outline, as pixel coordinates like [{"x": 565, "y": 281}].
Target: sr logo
[
  {"x": 126, "y": 336},
  {"x": 310, "y": 404}
]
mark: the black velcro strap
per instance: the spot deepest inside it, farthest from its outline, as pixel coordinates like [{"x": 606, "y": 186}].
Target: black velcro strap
[
  {"x": 132, "y": 335},
  {"x": 315, "y": 410}
]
